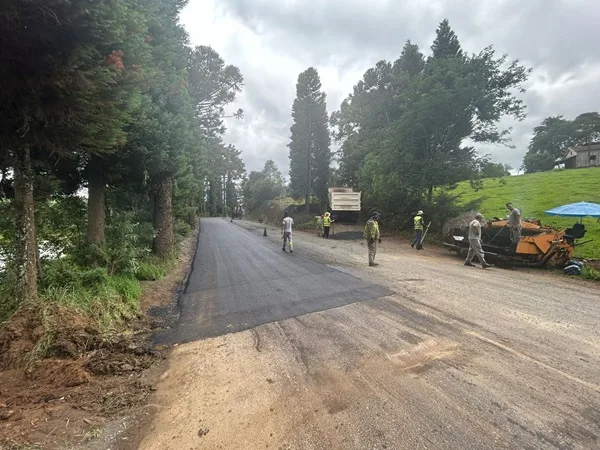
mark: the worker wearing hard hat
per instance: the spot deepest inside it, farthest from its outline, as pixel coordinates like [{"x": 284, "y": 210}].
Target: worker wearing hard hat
[
  {"x": 372, "y": 235},
  {"x": 418, "y": 227},
  {"x": 327, "y": 221}
]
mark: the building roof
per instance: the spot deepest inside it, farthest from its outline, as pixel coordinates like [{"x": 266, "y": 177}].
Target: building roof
[
  {"x": 573, "y": 151},
  {"x": 585, "y": 148}
]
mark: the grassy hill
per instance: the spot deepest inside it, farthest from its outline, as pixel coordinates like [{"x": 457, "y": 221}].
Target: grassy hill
[{"x": 537, "y": 192}]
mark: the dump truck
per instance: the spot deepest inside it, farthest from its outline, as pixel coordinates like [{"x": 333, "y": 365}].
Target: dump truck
[
  {"x": 237, "y": 212},
  {"x": 344, "y": 204},
  {"x": 538, "y": 246}
]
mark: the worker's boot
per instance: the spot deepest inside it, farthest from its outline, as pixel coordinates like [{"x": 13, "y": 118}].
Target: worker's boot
[
  {"x": 469, "y": 264},
  {"x": 486, "y": 265},
  {"x": 373, "y": 264},
  {"x": 283, "y": 249}
]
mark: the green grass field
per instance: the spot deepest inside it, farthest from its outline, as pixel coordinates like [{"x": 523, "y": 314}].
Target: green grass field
[{"x": 535, "y": 193}]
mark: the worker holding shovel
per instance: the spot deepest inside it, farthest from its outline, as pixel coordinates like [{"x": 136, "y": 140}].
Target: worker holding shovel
[{"x": 418, "y": 226}]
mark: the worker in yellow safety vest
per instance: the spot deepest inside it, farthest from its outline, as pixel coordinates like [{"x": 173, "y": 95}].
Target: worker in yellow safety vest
[
  {"x": 418, "y": 225},
  {"x": 327, "y": 221},
  {"x": 372, "y": 236}
]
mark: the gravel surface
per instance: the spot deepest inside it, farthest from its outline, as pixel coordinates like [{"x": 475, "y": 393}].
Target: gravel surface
[{"x": 456, "y": 358}]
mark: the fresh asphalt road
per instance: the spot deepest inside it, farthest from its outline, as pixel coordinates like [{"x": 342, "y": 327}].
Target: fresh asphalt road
[
  {"x": 240, "y": 280},
  {"x": 451, "y": 357}
]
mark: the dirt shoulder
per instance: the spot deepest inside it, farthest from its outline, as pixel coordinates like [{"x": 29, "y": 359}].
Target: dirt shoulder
[
  {"x": 458, "y": 357},
  {"x": 84, "y": 397}
]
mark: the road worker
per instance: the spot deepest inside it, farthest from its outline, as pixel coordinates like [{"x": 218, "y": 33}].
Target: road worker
[
  {"x": 514, "y": 223},
  {"x": 286, "y": 231},
  {"x": 372, "y": 236},
  {"x": 418, "y": 226},
  {"x": 327, "y": 221},
  {"x": 320, "y": 225},
  {"x": 475, "y": 248}
]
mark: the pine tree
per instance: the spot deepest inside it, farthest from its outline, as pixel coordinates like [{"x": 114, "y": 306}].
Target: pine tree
[
  {"x": 59, "y": 67},
  {"x": 446, "y": 42},
  {"x": 310, "y": 155},
  {"x": 411, "y": 60}
]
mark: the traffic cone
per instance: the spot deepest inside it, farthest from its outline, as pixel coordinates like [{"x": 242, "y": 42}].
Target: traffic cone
[{"x": 265, "y": 233}]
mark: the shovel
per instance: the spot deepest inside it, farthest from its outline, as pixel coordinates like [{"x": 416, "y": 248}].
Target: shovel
[{"x": 420, "y": 244}]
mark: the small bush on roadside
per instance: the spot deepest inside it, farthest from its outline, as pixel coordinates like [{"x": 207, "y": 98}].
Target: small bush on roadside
[
  {"x": 150, "y": 272},
  {"x": 94, "y": 277},
  {"x": 589, "y": 273},
  {"x": 109, "y": 303},
  {"x": 60, "y": 272},
  {"x": 182, "y": 230}
]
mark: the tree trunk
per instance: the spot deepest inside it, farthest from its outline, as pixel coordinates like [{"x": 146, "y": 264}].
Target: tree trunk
[
  {"x": 308, "y": 166},
  {"x": 38, "y": 260},
  {"x": 96, "y": 201},
  {"x": 164, "y": 242},
  {"x": 26, "y": 239}
]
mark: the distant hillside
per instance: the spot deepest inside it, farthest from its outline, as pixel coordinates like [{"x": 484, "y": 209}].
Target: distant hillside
[{"x": 537, "y": 192}]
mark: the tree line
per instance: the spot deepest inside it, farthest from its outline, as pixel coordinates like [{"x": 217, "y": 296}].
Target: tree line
[
  {"x": 553, "y": 137},
  {"x": 108, "y": 96},
  {"x": 408, "y": 129}
]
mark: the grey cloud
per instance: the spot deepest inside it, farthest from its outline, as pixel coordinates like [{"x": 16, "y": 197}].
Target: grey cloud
[
  {"x": 550, "y": 33},
  {"x": 343, "y": 38}
]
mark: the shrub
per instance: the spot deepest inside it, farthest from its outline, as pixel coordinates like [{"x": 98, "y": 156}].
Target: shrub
[
  {"x": 150, "y": 272},
  {"x": 110, "y": 302},
  {"x": 91, "y": 278},
  {"x": 589, "y": 273},
  {"x": 182, "y": 229},
  {"x": 61, "y": 272}
]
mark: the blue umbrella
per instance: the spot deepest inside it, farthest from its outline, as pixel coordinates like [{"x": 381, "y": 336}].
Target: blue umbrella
[{"x": 581, "y": 209}]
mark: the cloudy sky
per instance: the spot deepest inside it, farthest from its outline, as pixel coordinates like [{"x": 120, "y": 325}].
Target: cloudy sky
[{"x": 272, "y": 41}]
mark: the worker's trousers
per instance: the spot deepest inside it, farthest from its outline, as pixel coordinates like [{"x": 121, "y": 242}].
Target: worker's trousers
[
  {"x": 475, "y": 250},
  {"x": 418, "y": 237},
  {"x": 326, "y": 232},
  {"x": 287, "y": 237},
  {"x": 515, "y": 234},
  {"x": 372, "y": 244}
]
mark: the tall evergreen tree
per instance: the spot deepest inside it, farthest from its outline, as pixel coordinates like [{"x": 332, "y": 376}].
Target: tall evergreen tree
[
  {"x": 213, "y": 85},
  {"x": 397, "y": 159},
  {"x": 59, "y": 67},
  {"x": 446, "y": 42},
  {"x": 411, "y": 60},
  {"x": 310, "y": 156}
]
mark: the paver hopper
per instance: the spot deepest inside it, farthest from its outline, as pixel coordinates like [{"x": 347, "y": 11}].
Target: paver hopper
[{"x": 538, "y": 245}]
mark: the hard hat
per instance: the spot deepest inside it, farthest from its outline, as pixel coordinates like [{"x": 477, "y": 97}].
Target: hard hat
[
  {"x": 375, "y": 213},
  {"x": 327, "y": 214},
  {"x": 420, "y": 213}
]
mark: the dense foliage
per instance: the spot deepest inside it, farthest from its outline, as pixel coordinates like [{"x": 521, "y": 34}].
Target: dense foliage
[
  {"x": 553, "y": 137},
  {"x": 410, "y": 126},
  {"x": 262, "y": 186},
  {"x": 105, "y": 97}
]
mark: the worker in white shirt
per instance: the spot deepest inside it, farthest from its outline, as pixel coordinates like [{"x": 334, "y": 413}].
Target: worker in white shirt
[{"x": 286, "y": 231}]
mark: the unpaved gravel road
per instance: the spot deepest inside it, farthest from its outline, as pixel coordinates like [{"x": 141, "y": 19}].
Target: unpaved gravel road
[{"x": 455, "y": 358}]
